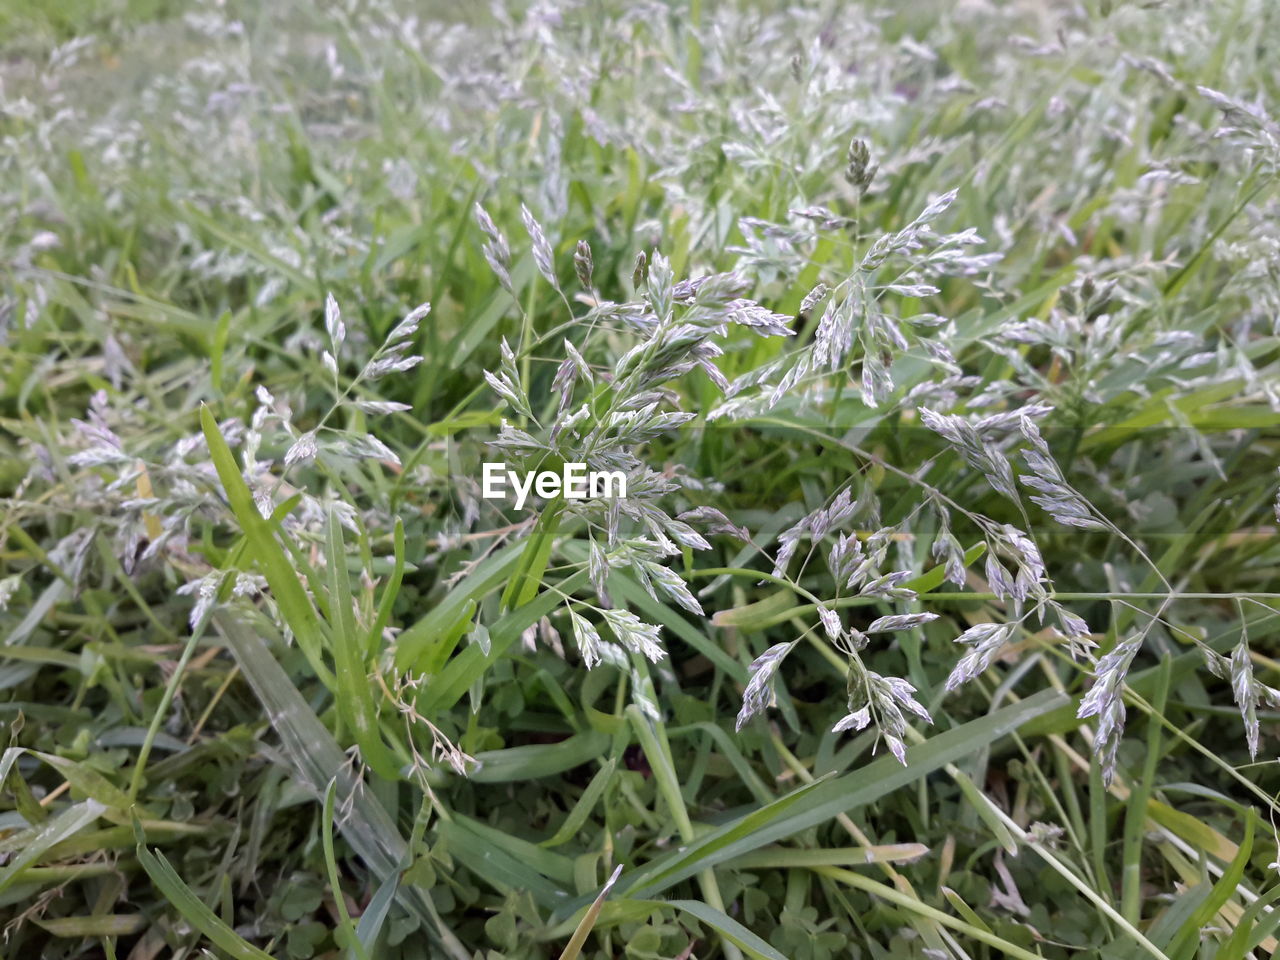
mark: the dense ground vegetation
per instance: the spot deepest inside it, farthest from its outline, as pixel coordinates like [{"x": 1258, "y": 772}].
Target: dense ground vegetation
[{"x": 938, "y": 342}]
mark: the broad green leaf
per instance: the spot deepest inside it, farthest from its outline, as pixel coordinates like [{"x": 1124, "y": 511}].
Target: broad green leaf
[
  {"x": 88, "y": 781},
  {"x": 759, "y": 614},
  {"x": 555, "y": 866},
  {"x": 1191, "y": 829},
  {"x": 497, "y": 867}
]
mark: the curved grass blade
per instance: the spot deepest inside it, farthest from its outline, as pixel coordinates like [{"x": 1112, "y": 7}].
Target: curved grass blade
[
  {"x": 184, "y": 900},
  {"x": 55, "y": 830},
  {"x": 1186, "y": 941},
  {"x": 375, "y": 914},
  {"x": 331, "y": 866},
  {"x": 586, "y": 803}
]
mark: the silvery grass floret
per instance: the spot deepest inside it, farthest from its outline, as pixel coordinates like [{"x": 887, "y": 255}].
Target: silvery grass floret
[
  {"x": 854, "y": 327},
  {"x": 624, "y": 407}
]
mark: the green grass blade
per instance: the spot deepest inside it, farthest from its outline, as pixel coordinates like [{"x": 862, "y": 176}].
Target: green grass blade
[
  {"x": 574, "y": 948},
  {"x": 266, "y": 552},
  {"x": 499, "y": 868},
  {"x": 53, "y": 831},
  {"x": 1135, "y": 824},
  {"x": 352, "y": 690},
  {"x": 469, "y": 665},
  {"x": 523, "y": 586},
  {"x": 389, "y": 593},
  {"x": 184, "y": 900},
  {"x": 820, "y": 801},
  {"x": 586, "y": 803},
  {"x": 531, "y": 761},
  {"x": 1257, "y": 923},
  {"x": 331, "y": 866},
  {"x": 1186, "y": 941},
  {"x": 919, "y": 907},
  {"x": 489, "y": 574},
  {"x": 375, "y": 915},
  {"x": 315, "y": 756},
  {"x": 728, "y": 928}
]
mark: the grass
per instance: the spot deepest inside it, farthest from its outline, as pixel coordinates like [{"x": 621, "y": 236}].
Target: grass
[{"x": 279, "y": 682}]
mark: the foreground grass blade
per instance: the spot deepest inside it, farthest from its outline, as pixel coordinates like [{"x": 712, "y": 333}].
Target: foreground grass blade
[
  {"x": 389, "y": 593},
  {"x": 574, "y": 948},
  {"x": 524, "y": 584},
  {"x": 914, "y": 905},
  {"x": 538, "y": 760},
  {"x": 190, "y": 906},
  {"x": 346, "y": 927},
  {"x": 489, "y": 574},
  {"x": 469, "y": 665},
  {"x": 266, "y": 552},
  {"x": 500, "y": 868},
  {"x": 53, "y": 831},
  {"x": 582, "y": 809},
  {"x": 728, "y": 928},
  {"x": 1186, "y": 940},
  {"x": 375, "y": 915},
  {"x": 820, "y": 801},
  {"x": 652, "y": 738},
  {"x": 352, "y": 684},
  {"x": 1257, "y": 923},
  {"x": 315, "y": 756}
]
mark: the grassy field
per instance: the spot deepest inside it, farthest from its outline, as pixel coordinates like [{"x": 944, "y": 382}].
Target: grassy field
[{"x": 939, "y": 345}]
